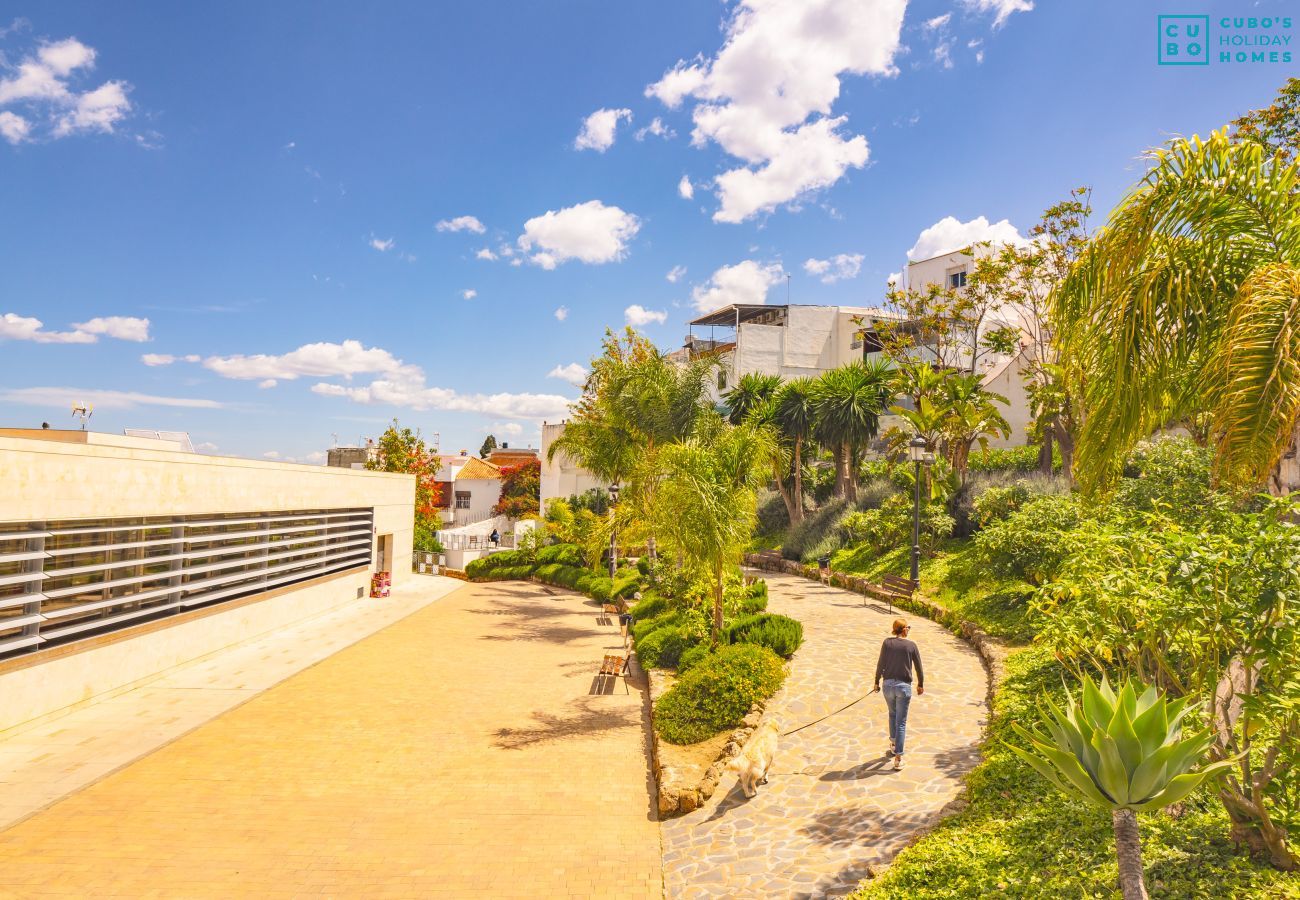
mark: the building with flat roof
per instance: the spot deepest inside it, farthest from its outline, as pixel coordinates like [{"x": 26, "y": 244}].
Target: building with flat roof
[{"x": 121, "y": 556}]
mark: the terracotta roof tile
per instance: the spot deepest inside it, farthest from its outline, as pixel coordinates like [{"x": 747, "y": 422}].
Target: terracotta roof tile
[{"x": 477, "y": 468}]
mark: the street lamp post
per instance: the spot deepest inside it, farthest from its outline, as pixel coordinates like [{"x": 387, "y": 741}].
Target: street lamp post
[
  {"x": 916, "y": 452},
  {"x": 613, "y": 555}
]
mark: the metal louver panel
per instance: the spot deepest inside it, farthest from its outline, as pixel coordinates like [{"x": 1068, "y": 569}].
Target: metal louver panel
[{"x": 62, "y": 581}]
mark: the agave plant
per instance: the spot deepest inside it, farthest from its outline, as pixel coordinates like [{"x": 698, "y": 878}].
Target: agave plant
[{"x": 1123, "y": 751}]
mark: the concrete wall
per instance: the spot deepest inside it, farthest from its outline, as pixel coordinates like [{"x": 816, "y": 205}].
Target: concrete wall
[
  {"x": 483, "y": 495},
  {"x": 41, "y": 480},
  {"x": 562, "y": 477}
]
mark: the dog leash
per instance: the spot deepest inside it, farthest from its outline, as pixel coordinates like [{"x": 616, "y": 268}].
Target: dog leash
[{"x": 829, "y": 714}]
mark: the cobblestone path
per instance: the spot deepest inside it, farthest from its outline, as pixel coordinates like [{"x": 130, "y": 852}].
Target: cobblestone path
[
  {"x": 834, "y": 805},
  {"x": 462, "y": 752}
]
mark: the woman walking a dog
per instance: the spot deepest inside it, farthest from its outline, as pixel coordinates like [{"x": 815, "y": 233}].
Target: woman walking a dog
[{"x": 898, "y": 656}]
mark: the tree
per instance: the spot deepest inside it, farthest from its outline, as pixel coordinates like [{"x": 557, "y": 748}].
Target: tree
[
  {"x": 1186, "y": 304},
  {"x": 403, "y": 450},
  {"x": 848, "y": 402},
  {"x": 706, "y": 500},
  {"x": 942, "y": 325},
  {"x": 520, "y": 490},
  {"x": 795, "y": 415},
  {"x": 489, "y": 444},
  {"x": 1275, "y": 127},
  {"x": 752, "y": 390},
  {"x": 1124, "y": 752}
]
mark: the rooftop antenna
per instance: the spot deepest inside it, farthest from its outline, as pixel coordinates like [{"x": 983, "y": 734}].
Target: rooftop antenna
[
  {"x": 437, "y": 441},
  {"x": 334, "y": 436},
  {"x": 85, "y": 410},
  {"x": 787, "y": 288}
]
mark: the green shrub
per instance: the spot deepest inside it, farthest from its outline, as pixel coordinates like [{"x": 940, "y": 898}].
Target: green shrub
[
  {"x": 755, "y": 599},
  {"x": 599, "y": 588},
  {"x": 1011, "y": 459},
  {"x": 717, "y": 693},
  {"x": 1168, "y": 474},
  {"x": 1033, "y": 542},
  {"x": 773, "y": 517},
  {"x": 584, "y": 582},
  {"x": 649, "y": 607},
  {"x": 692, "y": 657},
  {"x": 669, "y": 618},
  {"x": 780, "y": 634},
  {"x": 998, "y": 503},
  {"x": 663, "y": 647},
  {"x": 625, "y": 585},
  {"x": 643, "y": 566},
  {"x": 805, "y": 540},
  {"x": 563, "y": 554}
]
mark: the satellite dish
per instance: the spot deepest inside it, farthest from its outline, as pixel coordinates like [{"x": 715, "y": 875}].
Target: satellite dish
[{"x": 83, "y": 409}]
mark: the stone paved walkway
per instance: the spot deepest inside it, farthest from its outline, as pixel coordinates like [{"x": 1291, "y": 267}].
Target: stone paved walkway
[
  {"x": 462, "y": 752},
  {"x": 834, "y": 806}
]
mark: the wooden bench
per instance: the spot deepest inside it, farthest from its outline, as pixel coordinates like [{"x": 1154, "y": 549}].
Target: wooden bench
[
  {"x": 615, "y": 667},
  {"x": 892, "y": 588}
]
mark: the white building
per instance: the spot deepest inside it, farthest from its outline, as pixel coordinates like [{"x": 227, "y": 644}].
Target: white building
[
  {"x": 471, "y": 487},
  {"x": 562, "y": 477}
]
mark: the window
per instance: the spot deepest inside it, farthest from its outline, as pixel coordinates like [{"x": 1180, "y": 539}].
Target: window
[
  {"x": 957, "y": 279},
  {"x": 462, "y": 499}
]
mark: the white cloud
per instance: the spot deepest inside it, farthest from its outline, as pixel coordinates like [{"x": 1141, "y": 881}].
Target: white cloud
[
  {"x": 485, "y": 253},
  {"x": 461, "y": 223},
  {"x": 675, "y": 274},
  {"x": 124, "y": 328},
  {"x": 562, "y": 313},
  {"x": 591, "y": 232},
  {"x": 598, "y": 129},
  {"x": 383, "y": 246},
  {"x": 838, "y": 268},
  {"x": 572, "y": 373},
  {"x": 407, "y": 388},
  {"x": 948, "y": 235},
  {"x": 656, "y": 128},
  {"x": 1002, "y": 9},
  {"x": 746, "y": 283},
  {"x": 63, "y": 396},
  {"x": 638, "y": 316},
  {"x": 25, "y": 328},
  {"x": 158, "y": 359},
  {"x": 766, "y": 97},
  {"x": 316, "y": 457},
  {"x": 267, "y": 383},
  {"x": 895, "y": 278},
  {"x": 41, "y": 82},
  {"x": 313, "y": 360},
  {"x": 469, "y": 293},
  {"x": 509, "y": 429},
  {"x": 937, "y": 22},
  {"x": 685, "y": 189},
  {"x": 943, "y": 54},
  {"x": 206, "y": 447},
  {"x": 14, "y": 128}
]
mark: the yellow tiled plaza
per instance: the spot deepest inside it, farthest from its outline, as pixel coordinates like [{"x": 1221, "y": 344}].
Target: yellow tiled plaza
[{"x": 462, "y": 752}]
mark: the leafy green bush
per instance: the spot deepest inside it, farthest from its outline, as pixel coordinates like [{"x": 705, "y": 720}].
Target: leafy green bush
[
  {"x": 717, "y": 693},
  {"x": 563, "y": 554},
  {"x": 625, "y": 585},
  {"x": 491, "y": 566},
  {"x": 1167, "y": 474},
  {"x": 998, "y": 503},
  {"x": 890, "y": 526},
  {"x": 805, "y": 540},
  {"x": 1033, "y": 542},
  {"x": 650, "y": 606},
  {"x": 599, "y": 588},
  {"x": 692, "y": 657},
  {"x": 773, "y": 517},
  {"x": 780, "y": 634},
  {"x": 1011, "y": 459},
  {"x": 663, "y": 647},
  {"x": 755, "y": 599}
]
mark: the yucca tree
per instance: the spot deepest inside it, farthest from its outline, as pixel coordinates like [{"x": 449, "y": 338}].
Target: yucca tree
[
  {"x": 752, "y": 390},
  {"x": 1187, "y": 305},
  {"x": 971, "y": 415},
  {"x": 795, "y": 415},
  {"x": 848, "y": 402},
  {"x": 1123, "y": 751}
]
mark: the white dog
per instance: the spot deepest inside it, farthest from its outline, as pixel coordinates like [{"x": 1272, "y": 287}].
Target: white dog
[{"x": 755, "y": 761}]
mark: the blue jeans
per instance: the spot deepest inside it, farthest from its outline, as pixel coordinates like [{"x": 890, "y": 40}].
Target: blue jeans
[{"x": 898, "y": 697}]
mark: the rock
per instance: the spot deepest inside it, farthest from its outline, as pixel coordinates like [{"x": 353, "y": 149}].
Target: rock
[
  {"x": 751, "y": 720},
  {"x": 688, "y": 801},
  {"x": 667, "y": 802}
]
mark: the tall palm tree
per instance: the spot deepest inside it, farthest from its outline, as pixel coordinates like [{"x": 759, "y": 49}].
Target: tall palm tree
[
  {"x": 752, "y": 390},
  {"x": 707, "y": 498},
  {"x": 848, "y": 402},
  {"x": 794, "y": 415},
  {"x": 970, "y": 416},
  {"x": 1187, "y": 304}
]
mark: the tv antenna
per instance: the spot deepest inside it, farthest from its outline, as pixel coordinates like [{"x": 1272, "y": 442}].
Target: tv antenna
[
  {"x": 85, "y": 410},
  {"x": 335, "y": 436}
]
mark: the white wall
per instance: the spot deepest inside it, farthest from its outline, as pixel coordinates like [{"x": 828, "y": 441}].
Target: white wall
[
  {"x": 483, "y": 495},
  {"x": 562, "y": 477}
]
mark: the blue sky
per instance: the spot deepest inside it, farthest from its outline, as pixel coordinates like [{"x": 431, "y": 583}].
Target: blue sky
[{"x": 264, "y": 184}]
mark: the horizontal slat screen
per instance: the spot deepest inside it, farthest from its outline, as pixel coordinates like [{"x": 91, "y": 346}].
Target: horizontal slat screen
[{"x": 64, "y": 581}]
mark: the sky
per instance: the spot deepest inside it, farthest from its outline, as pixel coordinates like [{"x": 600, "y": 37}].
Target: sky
[{"x": 281, "y": 226}]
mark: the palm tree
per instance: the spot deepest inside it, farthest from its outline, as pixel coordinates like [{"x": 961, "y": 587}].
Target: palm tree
[
  {"x": 848, "y": 402},
  {"x": 795, "y": 415},
  {"x": 970, "y": 416},
  {"x": 707, "y": 497},
  {"x": 1187, "y": 304},
  {"x": 752, "y": 390}
]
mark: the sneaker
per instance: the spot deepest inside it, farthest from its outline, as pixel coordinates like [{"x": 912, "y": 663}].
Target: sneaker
[
  {"x": 891, "y": 747},
  {"x": 898, "y": 763}
]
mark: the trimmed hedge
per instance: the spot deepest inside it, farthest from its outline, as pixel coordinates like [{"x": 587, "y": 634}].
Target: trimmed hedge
[
  {"x": 780, "y": 634},
  {"x": 692, "y": 658},
  {"x": 664, "y": 646},
  {"x": 563, "y": 554},
  {"x": 717, "y": 693}
]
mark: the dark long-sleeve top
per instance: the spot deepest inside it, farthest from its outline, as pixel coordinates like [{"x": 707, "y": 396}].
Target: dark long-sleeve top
[{"x": 897, "y": 657}]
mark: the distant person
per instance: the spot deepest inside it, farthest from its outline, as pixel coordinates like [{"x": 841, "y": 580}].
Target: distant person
[
  {"x": 898, "y": 656},
  {"x": 495, "y": 537}
]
